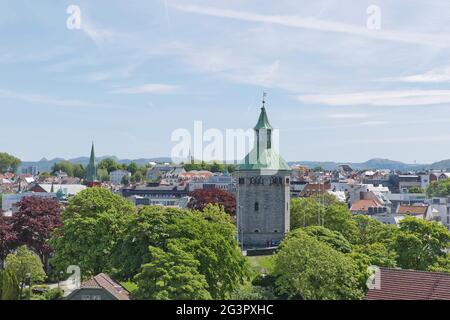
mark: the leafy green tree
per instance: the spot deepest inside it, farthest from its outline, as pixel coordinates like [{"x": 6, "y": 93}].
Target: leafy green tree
[
  {"x": 379, "y": 254},
  {"x": 420, "y": 243},
  {"x": 171, "y": 275},
  {"x": 305, "y": 212},
  {"x": 306, "y": 268},
  {"x": 25, "y": 266},
  {"x": 318, "y": 169},
  {"x": 370, "y": 230},
  {"x": 108, "y": 164},
  {"x": 132, "y": 167},
  {"x": 9, "y": 286},
  {"x": 93, "y": 221},
  {"x": 64, "y": 166},
  {"x": 209, "y": 235},
  {"x": 442, "y": 264},
  {"x": 333, "y": 238},
  {"x": 8, "y": 163},
  {"x": 439, "y": 188},
  {"x": 79, "y": 171},
  {"x": 330, "y": 214},
  {"x": 415, "y": 189},
  {"x": 125, "y": 180}
]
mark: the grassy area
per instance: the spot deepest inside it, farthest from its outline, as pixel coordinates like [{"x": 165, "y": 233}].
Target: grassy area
[{"x": 261, "y": 264}]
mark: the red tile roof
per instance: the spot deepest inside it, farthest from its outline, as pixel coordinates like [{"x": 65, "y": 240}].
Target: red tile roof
[
  {"x": 400, "y": 284},
  {"x": 413, "y": 210},
  {"x": 364, "y": 205}
]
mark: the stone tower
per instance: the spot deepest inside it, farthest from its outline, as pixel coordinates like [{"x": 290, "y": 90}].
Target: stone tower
[{"x": 263, "y": 192}]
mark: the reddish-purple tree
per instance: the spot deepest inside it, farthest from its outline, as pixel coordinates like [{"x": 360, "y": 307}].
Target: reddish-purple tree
[
  {"x": 7, "y": 238},
  {"x": 202, "y": 197},
  {"x": 34, "y": 223}
]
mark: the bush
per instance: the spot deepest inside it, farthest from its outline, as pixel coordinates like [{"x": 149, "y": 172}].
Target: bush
[{"x": 54, "y": 294}]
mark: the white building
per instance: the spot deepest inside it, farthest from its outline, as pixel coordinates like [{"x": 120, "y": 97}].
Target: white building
[
  {"x": 9, "y": 200},
  {"x": 116, "y": 176}
]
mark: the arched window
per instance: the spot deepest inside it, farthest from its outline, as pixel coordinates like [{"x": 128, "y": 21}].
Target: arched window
[
  {"x": 256, "y": 231},
  {"x": 256, "y": 206}
]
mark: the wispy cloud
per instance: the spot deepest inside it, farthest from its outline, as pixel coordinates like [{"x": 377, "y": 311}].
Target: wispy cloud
[
  {"x": 157, "y": 88},
  {"x": 46, "y": 100},
  {"x": 348, "y": 115},
  {"x": 102, "y": 35},
  {"x": 437, "y": 40},
  {"x": 381, "y": 98},
  {"x": 433, "y": 76}
]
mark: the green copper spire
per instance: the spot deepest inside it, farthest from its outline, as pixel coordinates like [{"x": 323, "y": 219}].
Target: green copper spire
[
  {"x": 263, "y": 157},
  {"x": 91, "y": 170},
  {"x": 263, "y": 121}
]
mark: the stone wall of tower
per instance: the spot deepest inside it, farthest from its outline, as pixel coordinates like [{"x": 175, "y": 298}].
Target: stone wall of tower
[{"x": 264, "y": 207}]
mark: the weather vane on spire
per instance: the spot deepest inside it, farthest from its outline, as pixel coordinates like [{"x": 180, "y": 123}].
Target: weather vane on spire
[{"x": 264, "y": 99}]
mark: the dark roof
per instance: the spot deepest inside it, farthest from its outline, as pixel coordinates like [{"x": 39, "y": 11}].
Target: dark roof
[
  {"x": 102, "y": 280},
  {"x": 400, "y": 284}
]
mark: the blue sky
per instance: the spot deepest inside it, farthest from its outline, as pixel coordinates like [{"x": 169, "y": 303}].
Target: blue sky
[{"x": 138, "y": 70}]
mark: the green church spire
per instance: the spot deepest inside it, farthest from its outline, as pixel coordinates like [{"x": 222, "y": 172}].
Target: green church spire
[
  {"x": 91, "y": 169},
  {"x": 263, "y": 121},
  {"x": 263, "y": 156}
]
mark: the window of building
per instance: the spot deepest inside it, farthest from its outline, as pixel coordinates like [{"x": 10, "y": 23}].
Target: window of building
[
  {"x": 256, "y": 206},
  {"x": 287, "y": 180},
  {"x": 256, "y": 231},
  {"x": 276, "y": 230},
  {"x": 241, "y": 180}
]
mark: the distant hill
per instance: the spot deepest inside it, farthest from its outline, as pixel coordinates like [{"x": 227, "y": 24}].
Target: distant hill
[
  {"x": 441, "y": 165},
  {"x": 376, "y": 163},
  {"x": 46, "y": 165}
]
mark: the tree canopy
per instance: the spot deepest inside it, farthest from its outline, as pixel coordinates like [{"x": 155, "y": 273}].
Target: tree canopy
[
  {"x": 324, "y": 211},
  {"x": 34, "y": 222},
  {"x": 420, "y": 243},
  {"x": 24, "y": 265},
  {"x": 171, "y": 275},
  {"x": 439, "y": 188},
  {"x": 8, "y": 163},
  {"x": 202, "y": 197},
  {"x": 306, "y": 268},
  {"x": 208, "y": 235},
  {"x": 92, "y": 223}
]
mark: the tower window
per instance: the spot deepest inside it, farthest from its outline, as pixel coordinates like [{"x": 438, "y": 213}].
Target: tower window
[
  {"x": 241, "y": 180},
  {"x": 276, "y": 230},
  {"x": 287, "y": 180},
  {"x": 256, "y": 231},
  {"x": 256, "y": 206}
]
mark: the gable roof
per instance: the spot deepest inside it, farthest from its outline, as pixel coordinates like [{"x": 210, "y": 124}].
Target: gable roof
[
  {"x": 103, "y": 281},
  {"x": 400, "y": 284}
]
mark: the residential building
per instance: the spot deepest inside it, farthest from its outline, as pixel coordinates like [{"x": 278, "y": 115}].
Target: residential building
[
  {"x": 100, "y": 287},
  {"x": 155, "y": 194},
  {"x": 401, "y": 284},
  {"x": 117, "y": 176}
]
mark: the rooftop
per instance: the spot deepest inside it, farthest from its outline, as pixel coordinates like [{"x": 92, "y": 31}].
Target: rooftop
[{"x": 400, "y": 284}]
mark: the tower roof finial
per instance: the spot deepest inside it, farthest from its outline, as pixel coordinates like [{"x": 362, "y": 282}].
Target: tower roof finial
[{"x": 264, "y": 100}]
